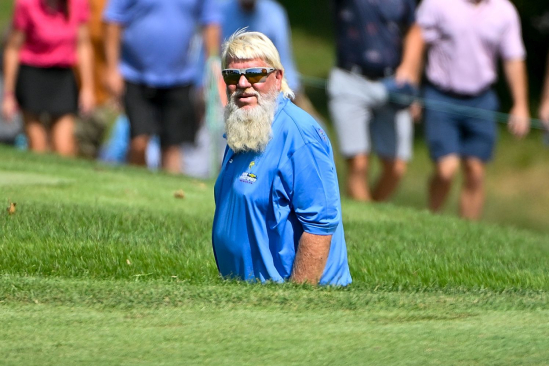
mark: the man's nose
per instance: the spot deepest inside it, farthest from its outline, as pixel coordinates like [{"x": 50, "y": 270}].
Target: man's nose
[{"x": 243, "y": 82}]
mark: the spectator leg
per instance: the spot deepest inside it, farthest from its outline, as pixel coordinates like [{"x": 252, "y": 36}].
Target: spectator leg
[
  {"x": 138, "y": 149},
  {"x": 472, "y": 193},
  {"x": 441, "y": 181},
  {"x": 62, "y": 135},
  {"x": 357, "y": 180},
  {"x": 171, "y": 159},
  {"x": 391, "y": 175},
  {"x": 36, "y": 132}
]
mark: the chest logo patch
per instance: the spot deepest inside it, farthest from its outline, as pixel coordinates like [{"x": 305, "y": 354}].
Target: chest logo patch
[{"x": 249, "y": 178}]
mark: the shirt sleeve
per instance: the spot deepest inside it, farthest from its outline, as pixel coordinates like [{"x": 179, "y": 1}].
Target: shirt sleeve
[
  {"x": 428, "y": 19},
  {"x": 20, "y": 16},
  {"x": 84, "y": 11},
  {"x": 314, "y": 190},
  {"x": 512, "y": 46},
  {"x": 411, "y": 19},
  {"x": 117, "y": 11},
  {"x": 210, "y": 12}
]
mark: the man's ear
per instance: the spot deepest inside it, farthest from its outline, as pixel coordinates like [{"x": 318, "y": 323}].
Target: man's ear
[{"x": 279, "y": 77}]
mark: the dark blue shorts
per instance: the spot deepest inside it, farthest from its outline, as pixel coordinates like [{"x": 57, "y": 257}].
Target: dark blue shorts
[{"x": 465, "y": 133}]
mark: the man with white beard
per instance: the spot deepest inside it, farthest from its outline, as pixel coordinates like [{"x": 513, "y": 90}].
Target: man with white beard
[{"x": 278, "y": 211}]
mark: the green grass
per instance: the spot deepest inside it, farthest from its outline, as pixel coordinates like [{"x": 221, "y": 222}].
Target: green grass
[
  {"x": 227, "y": 337},
  {"x": 102, "y": 265},
  {"x": 251, "y": 337},
  {"x": 67, "y": 209}
]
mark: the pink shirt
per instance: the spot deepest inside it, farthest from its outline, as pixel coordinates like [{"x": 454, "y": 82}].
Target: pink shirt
[
  {"x": 50, "y": 38},
  {"x": 465, "y": 40}
]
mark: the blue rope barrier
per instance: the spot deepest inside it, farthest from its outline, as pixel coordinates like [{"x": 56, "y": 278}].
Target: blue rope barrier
[{"x": 434, "y": 105}]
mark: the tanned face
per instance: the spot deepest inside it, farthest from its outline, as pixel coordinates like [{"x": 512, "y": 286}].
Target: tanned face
[{"x": 246, "y": 91}]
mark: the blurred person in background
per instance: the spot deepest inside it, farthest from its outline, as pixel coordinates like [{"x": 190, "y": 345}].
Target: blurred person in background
[
  {"x": 90, "y": 129},
  {"x": 544, "y": 108},
  {"x": 463, "y": 39},
  {"x": 543, "y": 26},
  {"x": 147, "y": 44},
  {"x": 10, "y": 131},
  {"x": 47, "y": 39},
  {"x": 369, "y": 37}
]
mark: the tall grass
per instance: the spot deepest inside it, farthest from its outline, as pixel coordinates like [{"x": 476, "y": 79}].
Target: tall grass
[{"x": 103, "y": 223}]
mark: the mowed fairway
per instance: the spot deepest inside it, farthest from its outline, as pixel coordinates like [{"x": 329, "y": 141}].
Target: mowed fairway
[{"x": 105, "y": 266}]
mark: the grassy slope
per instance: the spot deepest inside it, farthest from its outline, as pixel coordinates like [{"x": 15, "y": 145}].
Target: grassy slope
[
  {"x": 67, "y": 208},
  {"x": 251, "y": 337},
  {"x": 107, "y": 259}
]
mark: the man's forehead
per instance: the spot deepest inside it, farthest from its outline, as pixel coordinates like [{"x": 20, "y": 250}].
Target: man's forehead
[{"x": 250, "y": 62}]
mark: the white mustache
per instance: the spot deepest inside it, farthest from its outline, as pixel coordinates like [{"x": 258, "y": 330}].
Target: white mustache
[{"x": 239, "y": 93}]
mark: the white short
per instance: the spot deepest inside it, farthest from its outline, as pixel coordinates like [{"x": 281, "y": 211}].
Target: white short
[{"x": 363, "y": 117}]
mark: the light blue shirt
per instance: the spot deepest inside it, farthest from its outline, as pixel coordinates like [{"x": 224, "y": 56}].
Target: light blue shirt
[
  {"x": 265, "y": 201},
  {"x": 157, "y": 37},
  {"x": 269, "y": 18}
]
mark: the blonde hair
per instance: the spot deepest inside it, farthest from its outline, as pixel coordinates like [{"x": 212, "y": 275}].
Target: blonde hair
[{"x": 243, "y": 45}]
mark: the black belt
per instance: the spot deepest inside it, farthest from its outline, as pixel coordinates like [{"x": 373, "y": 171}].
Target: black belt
[
  {"x": 356, "y": 69},
  {"x": 457, "y": 95}
]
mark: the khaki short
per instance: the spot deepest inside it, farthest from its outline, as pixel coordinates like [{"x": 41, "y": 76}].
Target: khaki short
[{"x": 365, "y": 121}]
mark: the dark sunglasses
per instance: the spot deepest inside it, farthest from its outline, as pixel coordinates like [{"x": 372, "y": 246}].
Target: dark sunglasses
[{"x": 252, "y": 74}]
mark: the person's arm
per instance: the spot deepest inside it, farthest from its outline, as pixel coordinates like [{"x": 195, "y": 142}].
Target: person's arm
[
  {"x": 114, "y": 81},
  {"x": 11, "y": 67},
  {"x": 411, "y": 66},
  {"x": 85, "y": 59},
  {"x": 212, "y": 35},
  {"x": 515, "y": 73},
  {"x": 210, "y": 18},
  {"x": 544, "y": 109},
  {"x": 309, "y": 183},
  {"x": 310, "y": 259}
]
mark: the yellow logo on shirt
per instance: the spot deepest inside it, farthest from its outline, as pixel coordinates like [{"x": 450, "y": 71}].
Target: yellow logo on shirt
[{"x": 251, "y": 165}]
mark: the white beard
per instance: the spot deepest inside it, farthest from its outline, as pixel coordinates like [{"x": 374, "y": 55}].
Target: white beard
[{"x": 250, "y": 129}]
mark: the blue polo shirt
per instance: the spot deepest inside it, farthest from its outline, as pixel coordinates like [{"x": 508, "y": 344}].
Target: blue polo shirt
[
  {"x": 157, "y": 37},
  {"x": 265, "y": 201}
]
